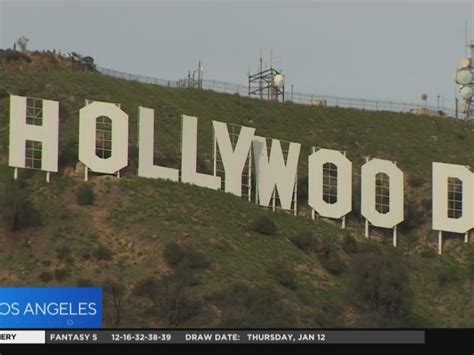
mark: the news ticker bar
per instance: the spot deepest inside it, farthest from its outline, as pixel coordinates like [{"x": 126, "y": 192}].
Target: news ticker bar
[{"x": 212, "y": 337}]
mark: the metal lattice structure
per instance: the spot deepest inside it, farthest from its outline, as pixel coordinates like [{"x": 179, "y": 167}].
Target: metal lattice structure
[
  {"x": 261, "y": 85},
  {"x": 103, "y": 147},
  {"x": 382, "y": 193},
  {"x": 34, "y": 111},
  {"x": 454, "y": 198},
  {"x": 330, "y": 183},
  {"x": 285, "y": 146},
  {"x": 246, "y": 183},
  {"x": 103, "y": 143},
  {"x": 33, "y": 153}
]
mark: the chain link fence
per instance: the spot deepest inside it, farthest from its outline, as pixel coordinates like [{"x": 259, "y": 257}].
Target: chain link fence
[{"x": 446, "y": 107}]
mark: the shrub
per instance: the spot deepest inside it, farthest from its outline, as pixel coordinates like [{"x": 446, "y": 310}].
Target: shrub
[
  {"x": 414, "y": 217},
  {"x": 284, "y": 275},
  {"x": 61, "y": 273},
  {"x": 254, "y": 306},
  {"x": 3, "y": 92},
  {"x": 302, "y": 188},
  {"x": 85, "y": 195},
  {"x": 428, "y": 253},
  {"x": 349, "y": 244},
  {"x": 448, "y": 273},
  {"x": 64, "y": 253},
  {"x": 333, "y": 263},
  {"x": 46, "y": 276},
  {"x": 264, "y": 225},
  {"x": 68, "y": 153},
  {"x": 16, "y": 209},
  {"x": 471, "y": 270},
  {"x": 173, "y": 253},
  {"x": 46, "y": 263},
  {"x": 84, "y": 282},
  {"x": 427, "y": 204},
  {"x": 381, "y": 282},
  {"x": 176, "y": 255},
  {"x": 102, "y": 252},
  {"x": 10, "y": 55},
  {"x": 416, "y": 181},
  {"x": 306, "y": 241},
  {"x": 147, "y": 287},
  {"x": 115, "y": 292}
]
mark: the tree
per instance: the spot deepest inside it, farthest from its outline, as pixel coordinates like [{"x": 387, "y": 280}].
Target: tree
[
  {"x": 116, "y": 291},
  {"x": 16, "y": 209},
  {"x": 381, "y": 282},
  {"x": 85, "y": 195},
  {"x": 22, "y": 43}
]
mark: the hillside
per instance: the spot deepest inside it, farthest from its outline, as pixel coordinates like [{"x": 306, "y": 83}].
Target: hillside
[{"x": 180, "y": 255}]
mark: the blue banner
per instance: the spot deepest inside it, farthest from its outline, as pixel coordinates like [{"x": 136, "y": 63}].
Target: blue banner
[{"x": 50, "y": 307}]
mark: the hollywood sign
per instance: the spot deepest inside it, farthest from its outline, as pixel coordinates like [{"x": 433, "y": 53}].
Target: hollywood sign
[{"x": 34, "y": 131}]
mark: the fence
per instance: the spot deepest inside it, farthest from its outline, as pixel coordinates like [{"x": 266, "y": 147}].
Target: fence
[{"x": 302, "y": 98}]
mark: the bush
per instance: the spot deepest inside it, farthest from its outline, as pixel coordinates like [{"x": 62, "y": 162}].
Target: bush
[
  {"x": 68, "y": 154},
  {"x": 416, "y": 181},
  {"x": 176, "y": 255},
  {"x": 414, "y": 217},
  {"x": 3, "y": 93},
  {"x": 102, "y": 252},
  {"x": 448, "y": 273},
  {"x": 61, "y": 273},
  {"x": 471, "y": 270},
  {"x": 349, "y": 244},
  {"x": 46, "y": 276},
  {"x": 16, "y": 209},
  {"x": 64, "y": 253},
  {"x": 254, "y": 306},
  {"x": 264, "y": 225},
  {"x": 302, "y": 188},
  {"x": 10, "y": 55},
  {"x": 333, "y": 263},
  {"x": 147, "y": 287},
  {"x": 85, "y": 195},
  {"x": 428, "y": 253},
  {"x": 284, "y": 275},
  {"x": 173, "y": 253},
  {"x": 306, "y": 241},
  {"x": 381, "y": 282},
  {"x": 177, "y": 302},
  {"x": 83, "y": 282},
  {"x": 114, "y": 294}
]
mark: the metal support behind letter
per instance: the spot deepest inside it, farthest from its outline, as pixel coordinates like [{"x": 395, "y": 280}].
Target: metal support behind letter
[
  {"x": 250, "y": 175},
  {"x": 274, "y": 200},
  {"x": 440, "y": 242},
  {"x": 367, "y": 229},
  {"x": 395, "y": 236},
  {"x": 295, "y": 189},
  {"x": 214, "y": 151}
]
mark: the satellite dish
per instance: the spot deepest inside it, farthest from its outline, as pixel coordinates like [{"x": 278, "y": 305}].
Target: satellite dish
[
  {"x": 464, "y": 77},
  {"x": 463, "y": 107},
  {"x": 464, "y": 63},
  {"x": 279, "y": 81},
  {"x": 466, "y": 92}
]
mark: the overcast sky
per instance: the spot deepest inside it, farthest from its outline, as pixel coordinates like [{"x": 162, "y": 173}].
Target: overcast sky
[{"x": 383, "y": 50}]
